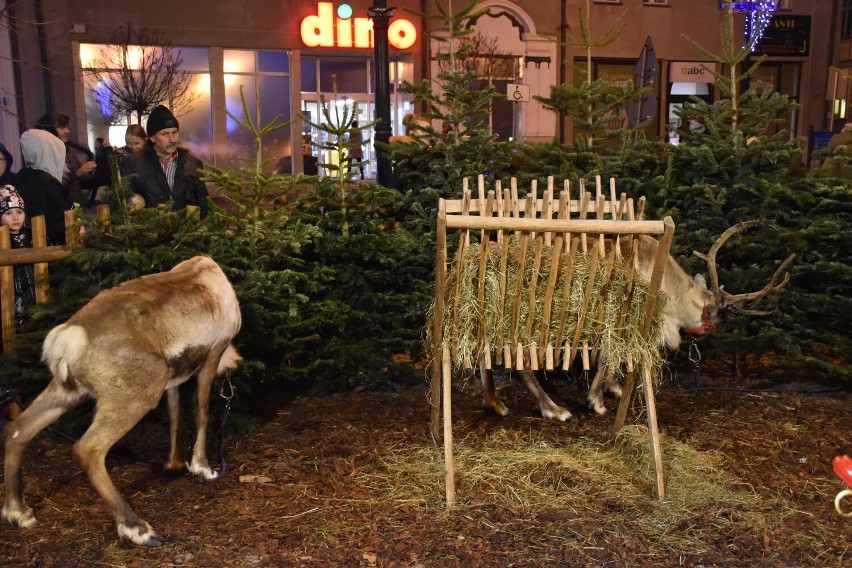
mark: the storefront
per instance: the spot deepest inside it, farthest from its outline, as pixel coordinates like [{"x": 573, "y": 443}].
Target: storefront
[{"x": 329, "y": 61}]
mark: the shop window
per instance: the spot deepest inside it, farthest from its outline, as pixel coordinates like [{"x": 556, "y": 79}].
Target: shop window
[
  {"x": 309, "y": 75},
  {"x": 351, "y": 75},
  {"x": 265, "y": 81},
  {"x": 194, "y": 113}
]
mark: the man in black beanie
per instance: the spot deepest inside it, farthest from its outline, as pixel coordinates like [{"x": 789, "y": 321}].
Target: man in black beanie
[{"x": 162, "y": 171}]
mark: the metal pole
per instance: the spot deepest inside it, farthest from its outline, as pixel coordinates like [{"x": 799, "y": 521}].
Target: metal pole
[{"x": 381, "y": 15}]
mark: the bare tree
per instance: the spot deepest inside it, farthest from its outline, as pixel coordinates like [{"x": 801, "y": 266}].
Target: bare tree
[
  {"x": 137, "y": 70},
  {"x": 484, "y": 58}
]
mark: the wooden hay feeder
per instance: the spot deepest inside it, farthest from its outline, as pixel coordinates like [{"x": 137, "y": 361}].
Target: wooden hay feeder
[{"x": 543, "y": 321}]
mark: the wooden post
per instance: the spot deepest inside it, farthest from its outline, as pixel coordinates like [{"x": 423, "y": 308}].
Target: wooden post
[
  {"x": 72, "y": 232},
  {"x": 438, "y": 322},
  {"x": 40, "y": 270},
  {"x": 449, "y": 463},
  {"x": 104, "y": 217},
  {"x": 7, "y": 295},
  {"x": 657, "y": 273},
  {"x": 653, "y": 430}
]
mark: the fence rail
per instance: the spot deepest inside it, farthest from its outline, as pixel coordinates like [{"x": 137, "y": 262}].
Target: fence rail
[{"x": 40, "y": 255}]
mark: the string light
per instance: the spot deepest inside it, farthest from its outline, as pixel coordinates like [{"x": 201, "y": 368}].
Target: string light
[{"x": 759, "y": 17}]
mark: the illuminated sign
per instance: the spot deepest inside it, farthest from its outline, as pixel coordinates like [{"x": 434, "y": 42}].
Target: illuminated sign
[{"x": 324, "y": 30}]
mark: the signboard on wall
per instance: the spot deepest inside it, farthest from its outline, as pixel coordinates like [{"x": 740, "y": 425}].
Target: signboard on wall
[
  {"x": 786, "y": 36},
  {"x": 518, "y": 93},
  {"x": 692, "y": 72}
]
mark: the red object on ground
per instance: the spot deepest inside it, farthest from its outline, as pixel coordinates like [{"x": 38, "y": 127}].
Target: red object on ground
[{"x": 843, "y": 468}]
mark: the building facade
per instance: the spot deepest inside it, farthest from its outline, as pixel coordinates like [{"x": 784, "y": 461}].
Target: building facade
[{"x": 291, "y": 56}]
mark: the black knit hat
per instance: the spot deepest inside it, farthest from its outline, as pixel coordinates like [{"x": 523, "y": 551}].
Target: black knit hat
[{"x": 160, "y": 119}]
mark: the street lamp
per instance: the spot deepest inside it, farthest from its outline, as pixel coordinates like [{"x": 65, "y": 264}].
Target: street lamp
[{"x": 381, "y": 15}]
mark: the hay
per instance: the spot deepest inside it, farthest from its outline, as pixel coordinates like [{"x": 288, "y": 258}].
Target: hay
[
  {"x": 612, "y": 321},
  {"x": 569, "y": 480}
]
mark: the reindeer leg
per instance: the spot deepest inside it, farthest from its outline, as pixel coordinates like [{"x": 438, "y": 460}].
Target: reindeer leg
[
  {"x": 490, "y": 399},
  {"x": 549, "y": 409},
  {"x": 199, "y": 465},
  {"x": 46, "y": 409},
  {"x": 595, "y": 399},
  {"x": 175, "y": 462},
  {"x": 113, "y": 419},
  {"x": 613, "y": 387}
]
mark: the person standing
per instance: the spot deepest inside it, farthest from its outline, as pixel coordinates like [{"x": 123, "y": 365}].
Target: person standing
[
  {"x": 79, "y": 160},
  {"x": 39, "y": 182},
  {"x": 13, "y": 216},
  {"x": 355, "y": 147},
  {"x": 163, "y": 171}
]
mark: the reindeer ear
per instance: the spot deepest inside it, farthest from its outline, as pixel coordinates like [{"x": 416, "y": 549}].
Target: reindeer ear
[{"x": 700, "y": 282}]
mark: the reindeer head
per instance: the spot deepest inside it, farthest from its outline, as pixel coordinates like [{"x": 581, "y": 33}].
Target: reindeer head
[{"x": 737, "y": 302}]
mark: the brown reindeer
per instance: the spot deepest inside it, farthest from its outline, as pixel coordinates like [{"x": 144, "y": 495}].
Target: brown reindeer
[
  {"x": 691, "y": 308},
  {"x": 124, "y": 348}
]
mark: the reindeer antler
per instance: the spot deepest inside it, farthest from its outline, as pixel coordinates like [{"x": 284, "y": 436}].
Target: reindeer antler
[{"x": 734, "y": 301}]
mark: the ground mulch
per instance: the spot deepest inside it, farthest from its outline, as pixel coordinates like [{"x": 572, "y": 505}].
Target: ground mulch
[{"x": 317, "y": 482}]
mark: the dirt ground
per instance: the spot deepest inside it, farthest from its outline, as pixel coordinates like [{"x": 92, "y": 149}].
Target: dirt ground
[{"x": 352, "y": 480}]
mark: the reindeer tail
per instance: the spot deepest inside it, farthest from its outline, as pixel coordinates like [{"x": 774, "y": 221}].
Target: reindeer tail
[
  {"x": 62, "y": 348},
  {"x": 229, "y": 359}
]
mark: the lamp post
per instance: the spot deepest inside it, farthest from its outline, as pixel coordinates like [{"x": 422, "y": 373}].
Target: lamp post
[{"x": 381, "y": 15}]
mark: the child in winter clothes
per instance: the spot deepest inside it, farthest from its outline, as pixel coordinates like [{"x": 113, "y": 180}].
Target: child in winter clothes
[{"x": 12, "y": 215}]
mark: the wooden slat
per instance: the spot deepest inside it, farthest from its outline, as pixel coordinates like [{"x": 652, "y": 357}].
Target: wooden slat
[
  {"x": 519, "y": 286},
  {"x": 464, "y": 240},
  {"x": 483, "y": 265},
  {"x": 503, "y": 212},
  {"x": 553, "y": 278},
  {"x": 587, "y": 294},
  {"x": 590, "y": 226}
]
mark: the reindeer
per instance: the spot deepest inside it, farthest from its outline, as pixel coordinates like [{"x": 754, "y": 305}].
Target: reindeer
[
  {"x": 691, "y": 308},
  {"x": 124, "y": 348}
]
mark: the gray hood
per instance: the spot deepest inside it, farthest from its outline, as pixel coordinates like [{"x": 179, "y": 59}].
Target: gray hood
[{"x": 43, "y": 151}]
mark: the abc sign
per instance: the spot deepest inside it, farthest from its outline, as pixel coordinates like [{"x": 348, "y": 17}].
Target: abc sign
[{"x": 324, "y": 30}]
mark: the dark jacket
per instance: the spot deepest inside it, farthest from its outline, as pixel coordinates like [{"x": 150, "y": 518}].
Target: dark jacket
[
  {"x": 149, "y": 180},
  {"x": 24, "y": 276},
  {"x": 44, "y": 195},
  {"x": 7, "y": 176}
]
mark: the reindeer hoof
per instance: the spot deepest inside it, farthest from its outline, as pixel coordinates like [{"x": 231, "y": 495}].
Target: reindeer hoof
[
  {"x": 23, "y": 519},
  {"x": 202, "y": 472},
  {"x": 597, "y": 407},
  {"x": 141, "y": 534},
  {"x": 498, "y": 409},
  {"x": 557, "y": 413}
]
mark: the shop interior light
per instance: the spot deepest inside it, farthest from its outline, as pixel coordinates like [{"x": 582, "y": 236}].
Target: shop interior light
[{"x": 699, "y": 89}]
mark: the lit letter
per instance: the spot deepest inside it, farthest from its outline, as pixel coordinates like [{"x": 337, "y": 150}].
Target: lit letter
[
  {"x": 401, "y": 34},
  {"x": 363, "y": 32},
  {"x": 318, "y": 31},
  {"x": 344, "y": 33}
]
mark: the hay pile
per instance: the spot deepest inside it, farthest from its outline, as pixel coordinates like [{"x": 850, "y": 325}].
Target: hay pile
[
  {"x": 531, "y": 474},
  {"x": 603, "y": 326}
]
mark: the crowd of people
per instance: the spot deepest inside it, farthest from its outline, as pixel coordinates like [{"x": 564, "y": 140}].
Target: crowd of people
[{"x": 57, "y": 171}]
